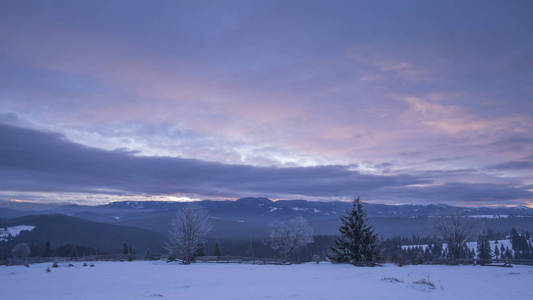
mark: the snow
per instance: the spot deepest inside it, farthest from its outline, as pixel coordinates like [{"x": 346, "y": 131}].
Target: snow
[
  {"x": 152, "y": 280},
  {"x": 470, "y": 245},
  {"x": 14, "y": 231},
  {"x": 273, "y": 209},
  {"x": 423, "y": 246},
  {"x": 489, "y": 216}
]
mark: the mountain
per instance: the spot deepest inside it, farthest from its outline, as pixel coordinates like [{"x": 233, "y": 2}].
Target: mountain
[{"x": 248, "y": 218}]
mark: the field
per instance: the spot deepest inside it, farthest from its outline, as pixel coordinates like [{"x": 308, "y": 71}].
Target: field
[{"x": 159, "y": 280}]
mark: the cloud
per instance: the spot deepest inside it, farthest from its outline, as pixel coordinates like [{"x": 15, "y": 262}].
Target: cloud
[
  {"x": 39, "y": 161},
  {"x": 33, "y": 160},
  {"x": 464, "y": 193},
  {"x": 513, "y": 165}
]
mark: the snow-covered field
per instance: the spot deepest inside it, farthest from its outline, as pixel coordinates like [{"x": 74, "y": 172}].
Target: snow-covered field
[{"x": 159, "y": 280}]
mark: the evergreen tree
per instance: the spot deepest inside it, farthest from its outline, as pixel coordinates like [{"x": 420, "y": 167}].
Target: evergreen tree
[
  {"x": 483, "y": 249},
  {"x": 47, "y": 249},
  {"x": 436, "y": 250},
  {"x": 250, "y": 251},
  {"x": 496, "y": 251},
  {"x": 357, "y": 243},
  {"x": 217, "y": 250},
  {"x": 125, "y": 249}
]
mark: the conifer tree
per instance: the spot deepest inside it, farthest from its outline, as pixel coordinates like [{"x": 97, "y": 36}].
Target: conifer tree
[
  {"x": 47, "y": 249},
  {"x": 483, "y": 249},
  {"x": 217, "y": 250},
  {"x": 357, "y": 243}
]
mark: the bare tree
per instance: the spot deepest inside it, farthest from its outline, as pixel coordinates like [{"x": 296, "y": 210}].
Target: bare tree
[
  {"x": 454, "y": 230},
  {"x": 187, "y": 230},
  {"x": 21, "y": 250},
  {"x": 288, "y": 236}
]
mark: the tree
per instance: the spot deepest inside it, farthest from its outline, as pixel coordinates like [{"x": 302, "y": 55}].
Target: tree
[
  {"x": 484, "y": 252},
  {"x": 357, "y": 243},
  {"x": 288, "y": 236},
  {"x": 250, "y": 250},
  {"x": 125, "y": 249},
  {"x": 200, "y": 251},
  {"x": 217, "y": 250},
  {"x": 47, "y": 249},
  {"x": 21, "y": 250},
  {"x": 454, "y": 230},
  {"x": 186, "y": 233}
]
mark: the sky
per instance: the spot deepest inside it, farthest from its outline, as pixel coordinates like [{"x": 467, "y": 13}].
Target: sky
[{"x": 399, "y": 102}]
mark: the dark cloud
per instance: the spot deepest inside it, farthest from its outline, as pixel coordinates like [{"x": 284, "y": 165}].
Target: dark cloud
[
  {"x": 457, "y": 192},
  {"x": 34, "y": 160},
  {"x": 519, "y": 142},
  {"x": 513, "y": 165}
]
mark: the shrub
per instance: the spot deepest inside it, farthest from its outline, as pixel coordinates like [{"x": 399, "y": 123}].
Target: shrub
[
  {"x": 392, "y": 279},
  {"x": 21, "y": 250},
  {"x": 316, "y": 258},
  {"x": 426, "y": 282}
]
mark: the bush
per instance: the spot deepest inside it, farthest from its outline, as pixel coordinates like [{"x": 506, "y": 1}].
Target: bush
[
  {"x": 55, "y": 265},
  {"x": 316, "y": 258},
  {"x": 400, "y": 262},
  {"x": 426, "y": 282},
  {"x": 392, "y": 279},
  {"x": 21, "y": 250}
]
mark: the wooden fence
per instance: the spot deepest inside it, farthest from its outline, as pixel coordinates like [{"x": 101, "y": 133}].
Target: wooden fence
[{"x": 220, "y": 259}]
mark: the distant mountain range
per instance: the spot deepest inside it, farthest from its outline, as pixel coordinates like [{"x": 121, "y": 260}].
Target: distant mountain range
[
  {"x": 249, "y": 218},
  {"x": 254, "y": 208}
]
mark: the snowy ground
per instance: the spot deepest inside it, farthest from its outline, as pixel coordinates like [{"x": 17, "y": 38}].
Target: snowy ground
[{"x": 159, "y": 280}]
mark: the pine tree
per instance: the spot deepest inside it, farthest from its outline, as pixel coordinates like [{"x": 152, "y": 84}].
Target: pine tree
[
  {"x": 47, "y": 249},
  {"x": 483, "y": 249},
  {"x": 496, "y": 251},
  {"x": 217, "y": 250},
  {"x": 357, "y": 243}
]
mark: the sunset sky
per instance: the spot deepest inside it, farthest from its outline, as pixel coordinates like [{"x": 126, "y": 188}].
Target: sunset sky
[{"x": 400, "y": 102}]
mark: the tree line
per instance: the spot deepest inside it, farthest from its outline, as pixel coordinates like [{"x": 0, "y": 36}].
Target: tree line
[{"x": 294, "y": 241}]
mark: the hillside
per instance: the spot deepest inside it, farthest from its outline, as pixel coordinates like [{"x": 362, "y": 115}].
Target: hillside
[{"x": 61, "y": 229}]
